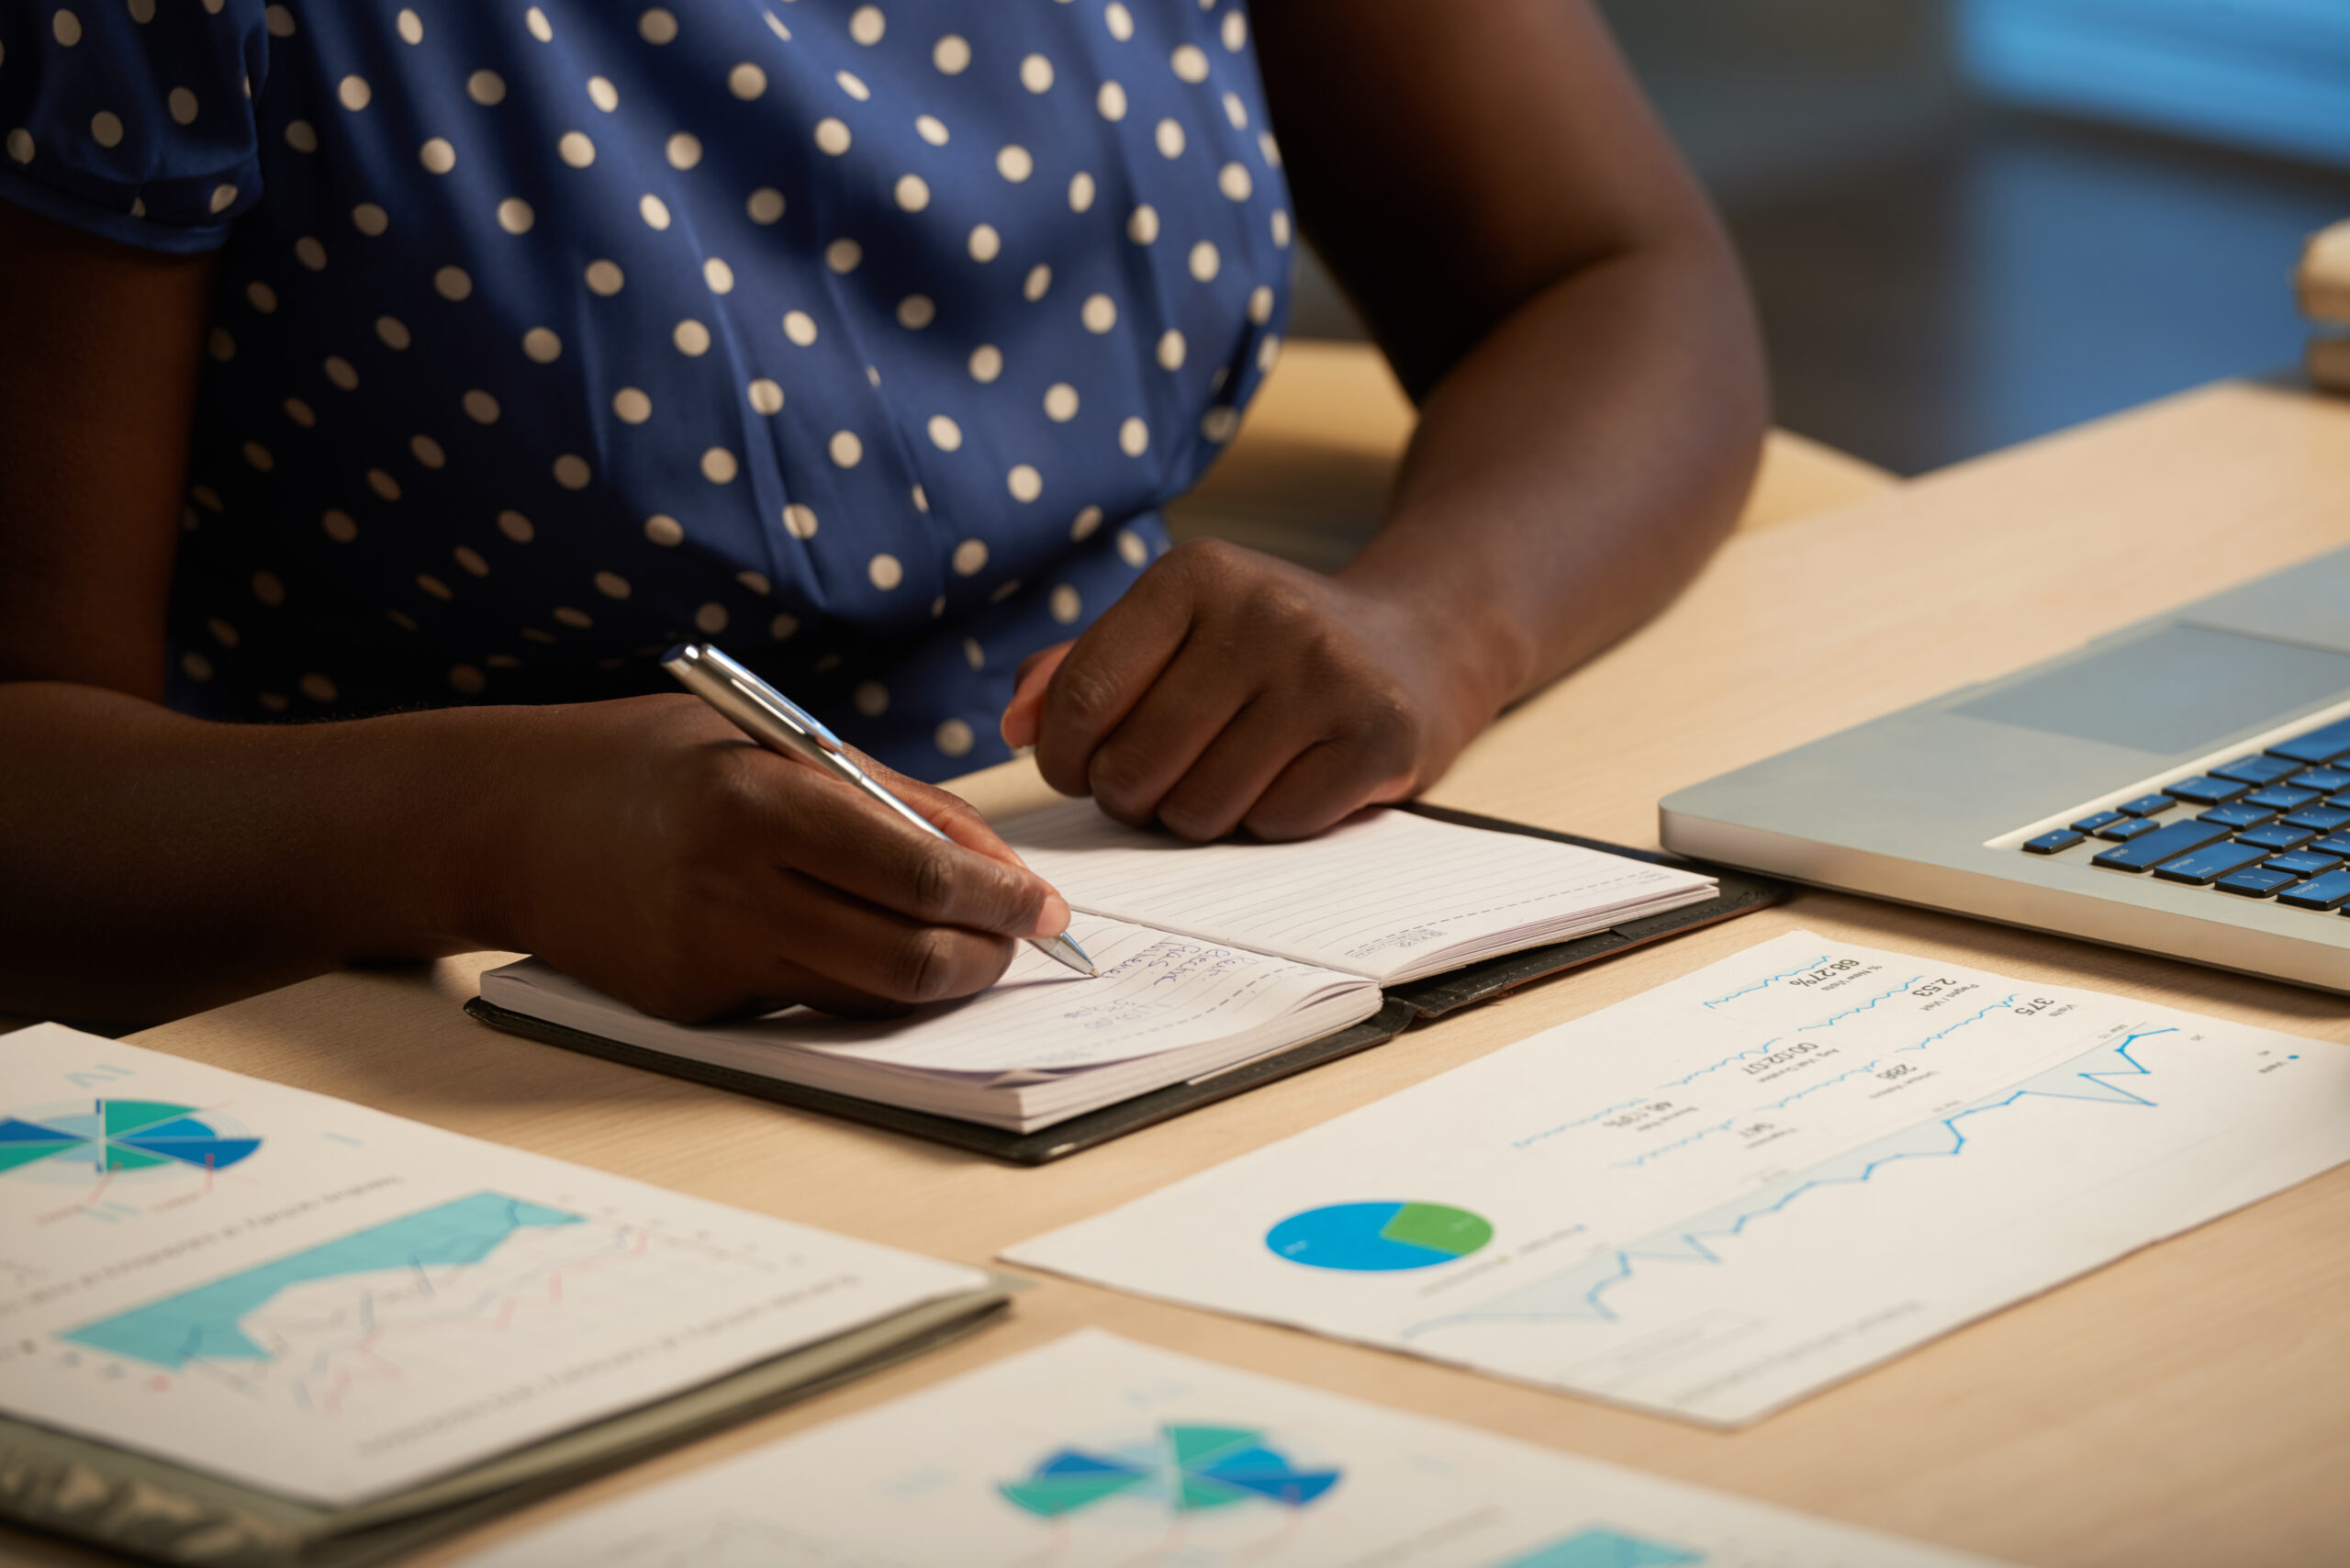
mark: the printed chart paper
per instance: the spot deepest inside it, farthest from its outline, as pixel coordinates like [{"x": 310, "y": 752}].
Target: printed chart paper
[
  {"x": 1094, "y": 1450},
  {"x": 1745, "y": 1186},
  {"x": 331, "y": 1303}
]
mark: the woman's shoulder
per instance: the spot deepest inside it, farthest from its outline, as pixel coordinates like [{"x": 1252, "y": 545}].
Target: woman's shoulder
[{"x": 137, "y": 119}]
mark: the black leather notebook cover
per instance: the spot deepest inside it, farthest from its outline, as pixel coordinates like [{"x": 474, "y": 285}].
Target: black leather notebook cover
[{"x": 1406, "y": 1005}]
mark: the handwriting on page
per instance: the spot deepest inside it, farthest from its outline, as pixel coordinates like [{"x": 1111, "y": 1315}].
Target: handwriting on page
[
  {"x": 1170, "y": 974},
  {"x": 1156, "y": 992}
]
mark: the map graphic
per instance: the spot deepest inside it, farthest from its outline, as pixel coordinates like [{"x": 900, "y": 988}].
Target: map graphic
[
  {"x": 121, "y": 1134},
  {"x": 1188, "y": 1468},
  {"x": 208, "y": 1322},
  {"x": 1379, "y": 1238},
  {"x": 1605, "y": 1549}
]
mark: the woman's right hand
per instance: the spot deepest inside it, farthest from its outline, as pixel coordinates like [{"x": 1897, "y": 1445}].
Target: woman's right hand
[{"x": 647, "y": 848}]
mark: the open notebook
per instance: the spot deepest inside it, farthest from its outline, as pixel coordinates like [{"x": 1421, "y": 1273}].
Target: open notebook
[{"x": 1212, "y": 956}]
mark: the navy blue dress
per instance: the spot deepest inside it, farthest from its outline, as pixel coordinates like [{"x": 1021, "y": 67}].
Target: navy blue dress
[{"x": 862, "y": 340}]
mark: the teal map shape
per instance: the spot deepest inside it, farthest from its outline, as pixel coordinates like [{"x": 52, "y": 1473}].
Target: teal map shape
[
  {"x": 207, "y": 1323},
  {"x": 121, "y": 1134},
  {"x": 1605, "y": 1549},
  {"x": 1190, "y": 1468}
]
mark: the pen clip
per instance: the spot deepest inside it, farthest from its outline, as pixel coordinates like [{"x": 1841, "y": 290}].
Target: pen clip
[{"x": 757, "y": 692}]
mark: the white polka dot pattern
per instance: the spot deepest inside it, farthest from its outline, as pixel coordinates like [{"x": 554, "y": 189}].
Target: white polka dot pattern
[{"x": 586, "y": 356}]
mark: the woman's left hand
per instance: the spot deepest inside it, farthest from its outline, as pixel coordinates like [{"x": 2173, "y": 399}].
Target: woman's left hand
[{"x": 1227, "y": 689}]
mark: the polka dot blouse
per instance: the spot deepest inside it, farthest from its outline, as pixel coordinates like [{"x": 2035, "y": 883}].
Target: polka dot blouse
[{"x": 864, "y": 339}]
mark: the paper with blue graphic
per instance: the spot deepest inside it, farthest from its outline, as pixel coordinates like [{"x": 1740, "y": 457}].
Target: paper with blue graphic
[
  {"x": 1093, "y": 1451},
  {"x": 333, "y": 1304},
  {"x": 1745, "y": 1186}
]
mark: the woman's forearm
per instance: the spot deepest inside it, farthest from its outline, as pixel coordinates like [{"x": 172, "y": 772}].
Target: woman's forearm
[
  {"x": 153, "y": 864},
  {"x": 1573, "y": 469}
]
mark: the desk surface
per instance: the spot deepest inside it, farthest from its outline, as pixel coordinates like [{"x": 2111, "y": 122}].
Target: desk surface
[{"x": 2189, "y": 1405}]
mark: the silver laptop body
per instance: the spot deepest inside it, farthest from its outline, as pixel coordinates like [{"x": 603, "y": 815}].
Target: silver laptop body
[{"x": 1933, "y": 805}]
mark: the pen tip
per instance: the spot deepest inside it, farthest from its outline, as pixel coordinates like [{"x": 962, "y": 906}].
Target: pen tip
[{"x": 1065, "y": 949}]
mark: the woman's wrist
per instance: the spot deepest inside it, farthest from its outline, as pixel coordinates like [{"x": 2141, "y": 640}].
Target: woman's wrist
[
  {"x": 429, "y": 834},
  {"x": 1479, "y": 658}
]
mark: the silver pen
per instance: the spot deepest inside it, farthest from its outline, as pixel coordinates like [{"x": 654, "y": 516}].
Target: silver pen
[{"x": 781, "y": 725}]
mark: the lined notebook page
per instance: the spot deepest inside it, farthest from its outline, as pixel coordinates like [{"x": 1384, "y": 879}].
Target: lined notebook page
[
  {"x": 1385, "y": 894},
  {"x": 1158, "y": 992}
]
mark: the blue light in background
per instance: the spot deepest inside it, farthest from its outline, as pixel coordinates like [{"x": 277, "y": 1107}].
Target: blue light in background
[{"x": 2271, "y": 74}]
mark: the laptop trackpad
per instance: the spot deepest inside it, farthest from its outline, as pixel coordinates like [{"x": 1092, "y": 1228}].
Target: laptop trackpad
[{"x": 2179, "y": 688}]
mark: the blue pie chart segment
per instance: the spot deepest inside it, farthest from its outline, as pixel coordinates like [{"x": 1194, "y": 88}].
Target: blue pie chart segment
[{"x": 1379, "y": 1238}]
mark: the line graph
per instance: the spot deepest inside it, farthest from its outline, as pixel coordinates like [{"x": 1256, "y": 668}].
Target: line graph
[
  {"x": 1756, "y": 1053},
  {"x": 1781, "y": 1104},
  {"x": 1581, "y": 1293},
  {"x": 1874, "y": 1063},
  {"x": 2007, "y": 1001},
  {"x": 1901, "y": 990},
  {"x": 1664, "y": 1149},
  {"x": 1768, "y": 980},
  {"x": 1747, "y": 1055}
]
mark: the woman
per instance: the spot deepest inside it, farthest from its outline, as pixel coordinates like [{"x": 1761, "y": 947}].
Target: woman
[{"x": 427, "y": 369}]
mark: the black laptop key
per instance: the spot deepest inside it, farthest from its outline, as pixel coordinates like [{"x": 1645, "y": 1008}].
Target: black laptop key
[
  {"x": 2333, "y": 843},
  {"x": 2207, "y": 865},
  {"x": 2342, "y": 799},
  {"x": 2257, "y": 769},
  {"x": 2318, "y": 746},
  {"x": 2302, "y": 863},
  {"x": 2327, "y": 779},
  {"x": 2328, "y": 892},
  {"x": 2051, "y": 843},
  {"x": 2255, "y": 882},
  {"x": 2276, "y": 836},
  {"x": 2128, "y": 828},
  {"x": 2235, "y": 813},
  {"x": 2281, "y": 797},
  {"x": 2162, "y": 843},
  {"x": 2206, "y": 790},
  {"x": 2325, "y": 819},
  {"x": 2095, "y": 821},
  {"x": 2147, "y": 805}
]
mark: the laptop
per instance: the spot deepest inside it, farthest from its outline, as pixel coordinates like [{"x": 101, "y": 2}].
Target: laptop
[{"x": 2181, "y": 786}]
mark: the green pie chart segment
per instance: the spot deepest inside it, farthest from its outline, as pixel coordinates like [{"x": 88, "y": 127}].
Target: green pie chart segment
[
  {"x": 21, "y": 1143},
  {"x": 1379, "y": 1238},
  {"x": 124, "y": 1118}
]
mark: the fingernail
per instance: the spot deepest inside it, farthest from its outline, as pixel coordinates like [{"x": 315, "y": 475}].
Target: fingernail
[{"x": 1052, "y": 919}]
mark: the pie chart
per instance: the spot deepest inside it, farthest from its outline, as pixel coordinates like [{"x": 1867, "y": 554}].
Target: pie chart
[
  {"x": 1372, "y": 1239},
  {"x": 121, "y": 1134},
  {"x": 1189, "y": 1469}
]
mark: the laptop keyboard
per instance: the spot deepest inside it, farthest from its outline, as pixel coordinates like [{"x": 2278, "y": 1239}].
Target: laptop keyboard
[{"x": 2271, "y": 826}]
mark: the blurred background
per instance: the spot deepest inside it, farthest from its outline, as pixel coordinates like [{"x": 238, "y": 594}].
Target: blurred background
[{"x": 1968, "y": 222}]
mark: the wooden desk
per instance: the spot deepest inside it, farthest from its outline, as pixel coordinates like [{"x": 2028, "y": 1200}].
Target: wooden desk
[
  {"x": 1307, "y": 477},
  {"x": 2187, "y": 1406}
]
